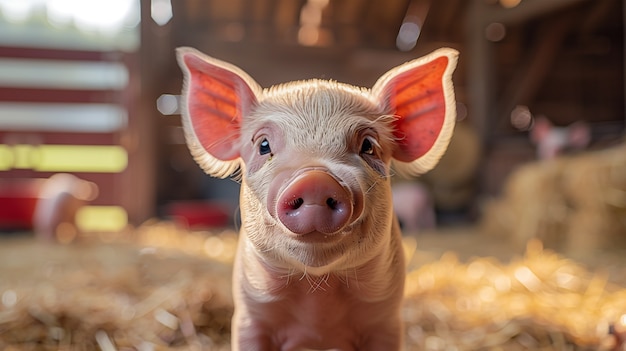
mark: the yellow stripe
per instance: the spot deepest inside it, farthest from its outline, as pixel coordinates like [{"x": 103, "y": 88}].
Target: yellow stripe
[
  {"x": 6, "y": 158},
  {"x": 64, "y": 158},
  {"x": 101, "y": 218}
]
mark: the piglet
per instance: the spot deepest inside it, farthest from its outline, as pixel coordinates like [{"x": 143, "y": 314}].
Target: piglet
[
  {"x": 553, "y": 141},
  {"x": 319, "y": 263},
  {"x": 60, "y": 198}
]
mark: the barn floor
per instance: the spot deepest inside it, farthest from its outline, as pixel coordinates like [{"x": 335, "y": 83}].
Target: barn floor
[{"x": 161, "y": 288}]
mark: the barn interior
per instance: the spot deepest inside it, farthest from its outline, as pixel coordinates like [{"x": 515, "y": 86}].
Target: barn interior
[{"x": 516, "y": 240}]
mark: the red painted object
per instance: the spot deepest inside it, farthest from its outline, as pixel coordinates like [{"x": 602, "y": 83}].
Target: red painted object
[
  {"x": 18, "y": 200},
  {"x": 43, "y": 204},
  {"x": 16, "y": 210},
  {"x": 198, "y": 214}
]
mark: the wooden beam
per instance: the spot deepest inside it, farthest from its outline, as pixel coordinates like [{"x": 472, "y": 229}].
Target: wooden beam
[
  {"x": 480, "y": 75},
  {"x": 526, "y": 10},
  {"x": 59, "y": 54},
  {"x": 38, "y": 95},
  {"x": 451, "y": 14},
  {"x": 596, "y": 16},
  {"x": 139, "y": 197},
  {"x": 528, "y": 79}
]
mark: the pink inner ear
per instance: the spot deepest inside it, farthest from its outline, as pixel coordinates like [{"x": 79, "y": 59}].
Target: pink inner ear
[
  {"x": 540, "y": 130},
  {"x": 217, "y": 99},
  {"x": 417, "y": 98}
]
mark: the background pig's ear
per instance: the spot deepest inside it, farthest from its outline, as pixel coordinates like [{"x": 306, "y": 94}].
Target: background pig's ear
[
  {"x": 540, "y": 129},
  {"x": 216, "y": 96},
  {"x": 420, "y": 94}
]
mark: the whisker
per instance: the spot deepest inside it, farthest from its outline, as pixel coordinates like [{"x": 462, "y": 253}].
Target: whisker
[
  {"x": 381, "y": 177},
  {"x": 317, "y": 284},
  {"x": 326, "y": 278},
  {"x": 371, "y": 187},
  {"x": 304, "y": 274},
  {"x": 356, "y": 277},
  {"x": 344, "y": 278},
  {"x": 289, "y": 275}
]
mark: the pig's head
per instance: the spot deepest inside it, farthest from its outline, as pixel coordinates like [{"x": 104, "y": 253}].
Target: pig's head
[
  {"x": 315, "y": 156},
  {"x": 553, "y": 141}
]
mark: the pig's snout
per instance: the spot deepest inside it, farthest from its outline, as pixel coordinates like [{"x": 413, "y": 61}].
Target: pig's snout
[{"x": 315, "y": 202}]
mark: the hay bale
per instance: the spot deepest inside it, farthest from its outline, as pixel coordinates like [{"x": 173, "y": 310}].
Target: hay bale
[
  {"x": 539, "y": 302},
  {"x": 453, "y": 180},
  {"x": 576, "y": 204}
]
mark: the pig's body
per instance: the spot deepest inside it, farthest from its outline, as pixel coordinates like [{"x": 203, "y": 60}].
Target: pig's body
[
  {"x": 319, "y": 264},
  {"x": 304, "y": 285},
  {"x": 60, "y": 198},
  {"x": 289, "y": 310}
]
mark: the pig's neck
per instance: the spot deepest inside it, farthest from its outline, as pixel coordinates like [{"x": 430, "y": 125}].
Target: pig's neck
[{"x": 375, "y": 280}]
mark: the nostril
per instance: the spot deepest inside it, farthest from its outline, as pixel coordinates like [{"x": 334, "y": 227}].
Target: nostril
[
  {"x": 332, "y": 203},
  {"x": 296, "y": 203},
  {"x": 314, "y": 201}
]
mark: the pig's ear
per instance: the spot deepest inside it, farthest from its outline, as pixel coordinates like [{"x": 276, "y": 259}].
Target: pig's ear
[
  {"x": 420, "y": 95},
  {"x": 216, "y": 96},
  {"x": 540, "y": 129}
]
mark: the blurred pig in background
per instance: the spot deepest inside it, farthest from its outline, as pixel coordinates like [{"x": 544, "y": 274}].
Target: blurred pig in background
[
  {"x": 60, "y": 198},
  {"x": 47, "y": 206},
  {"x": 553, "y": 141},
  {"x": 445, "y": 195},
  {"x": 573, "y": 200}
]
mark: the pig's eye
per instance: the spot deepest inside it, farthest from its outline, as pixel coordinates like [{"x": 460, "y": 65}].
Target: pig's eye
[
  {"x": 367, "y": 147},
  {"x": 264, "y": 147}
]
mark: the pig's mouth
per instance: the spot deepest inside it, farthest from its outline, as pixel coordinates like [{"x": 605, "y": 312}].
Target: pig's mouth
[
  {"x": 318, "y": 250},
  {"x": 317, "y": 237}
]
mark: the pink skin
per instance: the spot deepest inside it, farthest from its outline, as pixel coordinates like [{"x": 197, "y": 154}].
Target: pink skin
[
  {"x": 314, "y": 201},
  {"x": 60, "y": 198},
  {"x": 314, "y": 275},
  {"x": 319, "y": 263},
  {"x": 553, "y": 141},
  {"x": 414, "y": 207}
]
